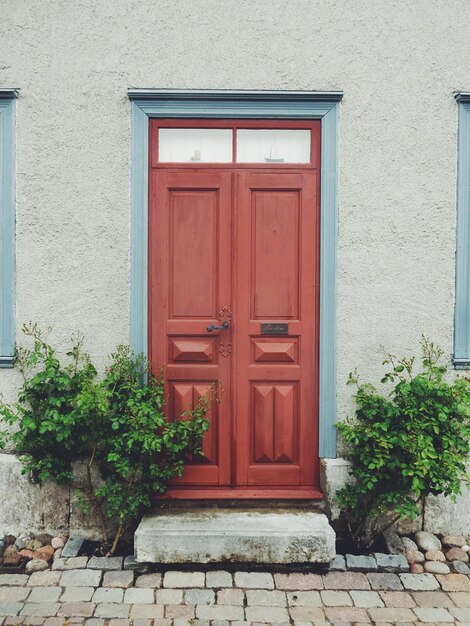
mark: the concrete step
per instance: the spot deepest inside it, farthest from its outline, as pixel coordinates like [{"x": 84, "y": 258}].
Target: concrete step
[{"x": 202, "y": 535}]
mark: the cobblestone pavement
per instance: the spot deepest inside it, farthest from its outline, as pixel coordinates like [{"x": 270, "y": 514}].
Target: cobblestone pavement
[{"x": 81, "y": 595}]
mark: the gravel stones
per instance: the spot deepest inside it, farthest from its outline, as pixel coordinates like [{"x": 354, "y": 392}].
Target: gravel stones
[
  {"x": 436, "y": 567},
  {"x": 416, "y": 568},
  {"x": 454, "y": 541},
  {"x": 36, "y": 565},
  {"x": 435, "y": 555},
  {"x": 409, "y": 544},
  {"x": 57, "y": 542},
  {"x": 457, "y": 554},
  {"x": 459, "y": 567},
  {"x": 427, "y": 541},
  {"x": 414, "y": 556}
]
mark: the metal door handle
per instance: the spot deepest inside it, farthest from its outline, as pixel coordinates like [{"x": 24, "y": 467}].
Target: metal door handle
[{"x": 212, "y": 327}]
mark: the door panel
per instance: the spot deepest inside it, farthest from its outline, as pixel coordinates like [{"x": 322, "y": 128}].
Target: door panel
[
  {"x": 276, "y": 376},
  {"x": 189, "y": 286}
]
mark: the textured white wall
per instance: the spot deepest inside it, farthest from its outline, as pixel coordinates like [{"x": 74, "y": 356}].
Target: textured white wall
[{"x": 397, "y": 62}]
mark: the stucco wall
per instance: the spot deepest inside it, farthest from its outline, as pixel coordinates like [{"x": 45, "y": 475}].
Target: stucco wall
[{"x": 397, "y": 62}]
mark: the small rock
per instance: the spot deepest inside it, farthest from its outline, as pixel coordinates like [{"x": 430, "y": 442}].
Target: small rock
[
  {"x": 409, "y": 543},
  {"x": 435, "y": 555},
  {"x": 338, "y": 564},
  {"x": 44, "y": 538},
  {"x": 454, "y": 541},
  {"x": 414, "y": 556},
  {"x": 436, "y": 567},
  {"x": 2, "y": 546},
  {"x": 361, "y": 563},
  {"x": 457, "y": 554},
  {"x": 13, "y": 558},
  {"x": 393, "y": 541},
  {"x": 416, "y": 568},
  {"x": 11, "y": 549},
  {"x": 26, "y": 554},
  {"x": 10, "y": 540},
  {"x": 57, "y": 554},
  {"x": 36, "y": 565},
  {"x": 44, "y": 554},
  {"x": 459, "y": 567},
  {"x": 33, "y": 544},
  {"x": 427, "y": 541},
  {"x": 57, "y": 542},
  {"x": 131, "y": 564},
  {"x": 22, "y": 541},
  {"x": 466, "y": 548}
]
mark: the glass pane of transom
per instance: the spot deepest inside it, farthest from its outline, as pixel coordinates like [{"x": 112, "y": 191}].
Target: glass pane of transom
[
  {"x": 195, "y": 145},
  {"x": 273, "y": 146}
]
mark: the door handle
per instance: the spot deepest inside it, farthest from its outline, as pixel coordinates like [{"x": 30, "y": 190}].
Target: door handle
[{"x": 212, "y": 327}]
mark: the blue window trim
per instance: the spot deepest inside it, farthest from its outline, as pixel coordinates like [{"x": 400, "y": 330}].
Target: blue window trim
[
  {"x": 7, "y": 226},
  {"x": 462, "y": 261},
  {"x": 243, "y": 105}
]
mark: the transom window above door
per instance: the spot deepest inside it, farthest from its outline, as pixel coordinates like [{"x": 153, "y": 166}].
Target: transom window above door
[{"x": 243, "y": 142}]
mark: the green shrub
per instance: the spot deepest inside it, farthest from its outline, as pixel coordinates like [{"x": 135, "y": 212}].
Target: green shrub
[
  {"x": 116, "y": 423},
  {"x": 405, "y": 445}
]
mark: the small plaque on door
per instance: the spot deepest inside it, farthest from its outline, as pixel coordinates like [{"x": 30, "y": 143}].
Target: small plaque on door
[{"x": 274, "y": 329}]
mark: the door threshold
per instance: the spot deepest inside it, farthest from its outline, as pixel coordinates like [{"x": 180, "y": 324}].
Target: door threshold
[{"x": 226, "y": 493}]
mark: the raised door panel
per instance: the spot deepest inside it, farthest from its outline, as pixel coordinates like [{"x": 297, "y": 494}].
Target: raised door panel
[
  {"x": 189, "y": 289},
  {"x": 277, "y": 375}
]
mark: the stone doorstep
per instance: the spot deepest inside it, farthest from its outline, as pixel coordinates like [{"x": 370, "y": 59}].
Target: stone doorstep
[{"x": 235, "y": 535}]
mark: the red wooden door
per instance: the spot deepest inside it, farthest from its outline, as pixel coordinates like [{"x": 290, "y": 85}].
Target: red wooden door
[{"x": 239, "y": 244}]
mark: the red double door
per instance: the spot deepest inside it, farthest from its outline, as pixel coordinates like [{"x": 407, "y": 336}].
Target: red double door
[{"x": 238, "y": 249}]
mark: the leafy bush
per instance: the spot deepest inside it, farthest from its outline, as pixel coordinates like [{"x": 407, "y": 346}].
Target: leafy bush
[
  {"x": 408, "y": 444},
  {"x": 66, "y": 414}
]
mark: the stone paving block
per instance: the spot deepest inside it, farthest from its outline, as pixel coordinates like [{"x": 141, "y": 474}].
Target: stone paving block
[
  {"x": 140, "y": 621},
  {"x": 218, "y": 578},
  {"x": 432, "y": 599},
  {"x": 270, "y": 614},
  {"x": 384, "y": 581},
  {"x": 54, "y": 621},
  {"x": 335, "y": 598},
  {"x": 108, "y": 594},
  {"x": 261, "y": 597},
  {"x": 169, "y": 596},
  {"x": 398, "y": 599},
  {"x": 304, "y": 598},
  {"x": 12, "y": 620},
  {"x": 461, "y": 613},
  {"x": 392, "y": 615},
  {"x": 74, "y": 562},
  {"x": 16, "y": 580},
  {"x": 184, "y": 621},
  {"x": 33, "y": 620},
  {"x": 94, "y": 621},
  {"x": 346, "y": 581},
  {"x": 419, "y": 582},
  {"x": 77, "y": 594},
  {"x": 338, "y": 564},
  {"x": 146, "y": 611},
  {"x": 40, "y": 609},
  {"x": 225, "y": 612},
  {"x": 14, "y": 594},
  {"x": 120, "y": 580},
  {"x": 10, "y": 608},
  {"x": 460, "y": 598},
  {"x": 45, "y": 594},
  {"x": 230, "y": 596},
  {"x": 432, "y": 615},
  {"x": 106, "y": 563},
  {"x": 44, "y": 579},
  {"x": 178, "y": 579},
  {"x": 254, "y": 580},
  {"x": 360, "y": 563},
  {"x": 366, "y": 599},
  {"x": 112, "y": 610},
  {"x": 73, "y": 609},
  {"x": 149, "y": 581},
  {"x": 454, "y": 582},
  {"x": 298, "y": 582},
  {"x": 81, "y": 578},
  {"x": 73, "y": 546},
  {"x": 119, "y": 622},
  {"x": 199, "y": 596},
  {"x": 180, "y": 610},
  {"x": 345, "y": 614},
  {"x": 139, "y": 596},
  {"x": 75, "y": 620},
  {"x": 391, "y": 562}
]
